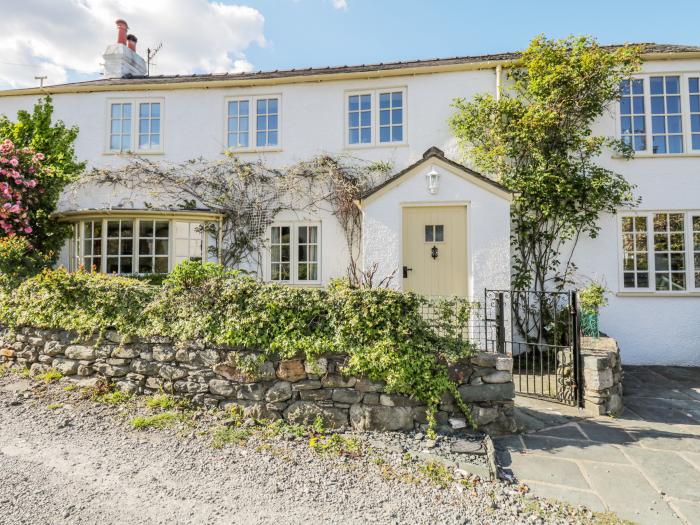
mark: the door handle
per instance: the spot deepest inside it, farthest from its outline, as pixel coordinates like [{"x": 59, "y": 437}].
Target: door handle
[{"x": 406, "y": 269}]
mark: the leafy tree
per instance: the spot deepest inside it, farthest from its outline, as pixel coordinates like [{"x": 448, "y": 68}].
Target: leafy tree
[
  {"x": 538, "y": 138},
  {"x": 56, "y": 142}
]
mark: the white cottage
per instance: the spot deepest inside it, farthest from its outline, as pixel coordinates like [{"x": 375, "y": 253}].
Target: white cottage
[{"x": 436, "y": 226}]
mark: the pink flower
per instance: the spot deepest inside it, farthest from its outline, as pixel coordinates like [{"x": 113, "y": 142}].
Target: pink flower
[
  {"x": 14, "y": 162},
  {"x": 28, "y": 229}
]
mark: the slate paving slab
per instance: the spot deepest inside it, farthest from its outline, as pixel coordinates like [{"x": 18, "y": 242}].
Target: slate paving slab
[
  {"x": 643, "y": 465},
  {"x": 530, "y": 467},
  {"x": 574, "y": 449},
  {"x": 625, "y": 491},
  {"x": 687, "y": 510},
  {"x": 672, "y": 474},
  {"x": 587, "y": 498}
]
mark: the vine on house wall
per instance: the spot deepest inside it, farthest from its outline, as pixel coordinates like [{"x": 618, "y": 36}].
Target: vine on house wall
[{"x": 249, "y": 195}]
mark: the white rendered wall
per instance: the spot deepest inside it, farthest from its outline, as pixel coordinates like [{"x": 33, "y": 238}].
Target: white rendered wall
[{"x": 649, "y": 329}]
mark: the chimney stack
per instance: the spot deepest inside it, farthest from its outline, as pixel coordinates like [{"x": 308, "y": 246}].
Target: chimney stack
[
  {"x": 121, "y": 59},
  {"x": 122, "y": 28}
]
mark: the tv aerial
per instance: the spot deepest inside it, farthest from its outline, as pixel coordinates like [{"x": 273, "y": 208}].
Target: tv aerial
[{"x": 150, "y": 53}]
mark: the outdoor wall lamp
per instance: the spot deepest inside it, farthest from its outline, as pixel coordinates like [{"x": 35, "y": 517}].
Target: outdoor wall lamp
[{"x": 433, "y": 180}]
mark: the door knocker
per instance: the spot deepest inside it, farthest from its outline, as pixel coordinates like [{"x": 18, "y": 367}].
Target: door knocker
[{"x": 434, "y": 252}]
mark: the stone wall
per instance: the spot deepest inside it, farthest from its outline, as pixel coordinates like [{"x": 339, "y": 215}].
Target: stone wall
[
  {"x": 294, "y": 389},
  {"x": 602, "y": 376}
]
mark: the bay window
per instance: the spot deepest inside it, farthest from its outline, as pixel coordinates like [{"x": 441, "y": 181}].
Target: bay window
[
  {"x": 295, "y": 253},
  {"x": 140, "y": 244},
  {"x": 661, "y": 251}
]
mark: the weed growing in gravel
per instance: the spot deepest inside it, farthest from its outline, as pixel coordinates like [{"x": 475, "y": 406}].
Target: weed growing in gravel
[
  {"x": 437, "y": 473},
  {"x": 318, "y": 426},
  {"x": 25, "y": 372},
  {"x": 112, "y": 398},
  {"x": 70, "y": 388},
  {"x": 162, "y": 420},
  {"x": 4, "y": 369},
  {"x": 335, "y": 444},
  {"x": 165, "y": 402},
  {"x": 49, "y": 376},
  {"x": 230, "y": 436}
]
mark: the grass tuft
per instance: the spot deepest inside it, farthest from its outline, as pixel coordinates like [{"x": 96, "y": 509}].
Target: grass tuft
[
  {"x": 162, "y": 420},
  {"x": 112, "y": 398},
  {"x": 49, "y": 376}
]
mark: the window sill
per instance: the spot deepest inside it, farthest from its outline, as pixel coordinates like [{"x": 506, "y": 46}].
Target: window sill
[
  {"x": 694, "y": 154},
  {"x": 130, "y": 153},
  {"x": 232, "y": 151},
  {"x": 658, "y": 294},
  {"x": 374, "y": 146}
]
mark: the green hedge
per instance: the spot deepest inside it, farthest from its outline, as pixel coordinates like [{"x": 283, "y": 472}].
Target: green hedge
[{"x": 381, "y": 330}]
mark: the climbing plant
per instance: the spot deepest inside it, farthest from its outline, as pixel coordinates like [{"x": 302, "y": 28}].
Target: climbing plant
[{"x": 249, "y": 195}]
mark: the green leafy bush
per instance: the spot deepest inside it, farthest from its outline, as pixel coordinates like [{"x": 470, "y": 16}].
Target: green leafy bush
[
  {"x": 19, "y": 259},
  {"x": 88, "y": 303},
  {"x": 382, "y": 331}
]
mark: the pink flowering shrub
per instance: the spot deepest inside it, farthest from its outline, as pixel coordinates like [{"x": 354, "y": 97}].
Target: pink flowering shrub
[{"x": 19, "y": 189}]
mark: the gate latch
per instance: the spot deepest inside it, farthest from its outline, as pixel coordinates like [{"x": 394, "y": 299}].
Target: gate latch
[{"x": 406, "y": 269}]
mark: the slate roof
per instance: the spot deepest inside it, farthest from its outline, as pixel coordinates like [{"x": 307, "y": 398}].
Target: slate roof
[
  {"x": 649, "y": 49},
  {"x": 430, "y": 153}
]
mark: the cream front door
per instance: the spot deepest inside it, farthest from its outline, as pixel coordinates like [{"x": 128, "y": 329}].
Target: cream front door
[{"x": 435, "y": 250}]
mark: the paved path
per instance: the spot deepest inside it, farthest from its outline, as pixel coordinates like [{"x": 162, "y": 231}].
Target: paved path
[{"x": 644, "y": 465}]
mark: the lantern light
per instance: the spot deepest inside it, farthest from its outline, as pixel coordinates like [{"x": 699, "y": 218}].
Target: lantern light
[{"x": 433, "y": 180}]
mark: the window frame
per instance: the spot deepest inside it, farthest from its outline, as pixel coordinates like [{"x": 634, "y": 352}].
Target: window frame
[
  {"x": 294, "y": 254},
  {"x": 690, "y": 269},
  {"x": 253, "y": 123},
  {"x": 375, "y": 109},
  {"x": 135, "y": 107},
  {"x": 684, "y": 76}
]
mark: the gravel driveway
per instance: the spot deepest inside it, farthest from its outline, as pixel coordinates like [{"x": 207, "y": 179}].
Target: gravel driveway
[{"x": 64, "y": 459}]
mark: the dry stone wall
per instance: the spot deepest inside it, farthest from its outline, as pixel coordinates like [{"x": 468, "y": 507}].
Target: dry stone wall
[
  {"x": 602, "y": 376},
  {"x": 294, "y": 389}
]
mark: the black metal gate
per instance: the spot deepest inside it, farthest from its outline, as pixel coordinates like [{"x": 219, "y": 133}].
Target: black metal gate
[{"x": 540, "y": 330}]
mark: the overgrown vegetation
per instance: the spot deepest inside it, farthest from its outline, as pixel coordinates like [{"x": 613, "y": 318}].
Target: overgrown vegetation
[{"x": 381, "y": 330}]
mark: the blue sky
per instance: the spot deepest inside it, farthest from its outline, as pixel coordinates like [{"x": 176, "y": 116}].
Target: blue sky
[
  {"x": 64, "y": 39},
  {"x": 312, "y": 33}
]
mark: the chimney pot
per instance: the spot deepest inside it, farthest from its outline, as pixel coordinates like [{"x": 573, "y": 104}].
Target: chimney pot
[
  {"x": 131, "y": 42},
  {"x": 122, "y": 28}
]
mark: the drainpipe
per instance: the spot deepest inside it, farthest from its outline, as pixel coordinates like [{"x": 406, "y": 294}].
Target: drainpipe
[{"x": 498, "y": 82}]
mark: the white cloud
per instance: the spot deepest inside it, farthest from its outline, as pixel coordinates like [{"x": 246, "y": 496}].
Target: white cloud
[
  {"x": 53, "y": 37},
  {"x": 340, "y": 4}
]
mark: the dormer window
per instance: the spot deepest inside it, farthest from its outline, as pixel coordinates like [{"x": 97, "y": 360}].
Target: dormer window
[{"x": 135, "y": 126}]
